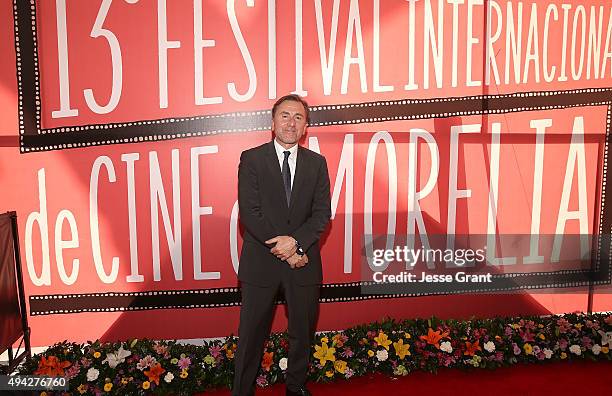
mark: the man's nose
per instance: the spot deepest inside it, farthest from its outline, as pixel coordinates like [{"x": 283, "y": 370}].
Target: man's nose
[{"x": 291, "y": 121}]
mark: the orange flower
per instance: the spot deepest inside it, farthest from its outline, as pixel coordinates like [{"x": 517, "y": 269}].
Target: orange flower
[
  {"x": 154, "y": 373},
  {"x": 51, "y": 366},
  {"x": 470, "y": 349},
  {"x": 434, "y": 337},
  {"x": 268, "y": 359}
]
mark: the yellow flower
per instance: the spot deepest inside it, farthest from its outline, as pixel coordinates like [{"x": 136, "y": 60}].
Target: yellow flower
[
  {"x": 124, "y": 381},
  {"x": 407, "y": 335},
  {"x": 324, "y": 354},
  {"x": 97, "y": 354},
  {"x": 542, "y": 336},
  {"x": 497, "y": 338},
  {"x": 401, "y": 349},
  {"x": 43, "y": 393},
  {"x": 578, "y": 326},
  {"x": 540, "y": 325},
  {"x": 174, "y": 360},
  {"x": 329, "y": 373},
  {"x": 184, "y": 373},
  {"x": 340, "y": 366},
  {"x": 146, "y": 385},
  {"x": 383, "y": 340},
  {"x": 325, "y": 340},
  {"x": 563, "y": 355},
  {"x": 605, "y": 349},
  {"x": 108, "y": 386},
  {"x": 82, "y": 388},
  {"x": 528, "y": 349},
  {"x": 515, "y": 326},
  {"x": 370, "y": 353},
  {"x": 229, "y": 353}
]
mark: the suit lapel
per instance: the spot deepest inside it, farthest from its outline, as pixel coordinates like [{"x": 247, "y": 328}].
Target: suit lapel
[{"x": 274, "y": 168}]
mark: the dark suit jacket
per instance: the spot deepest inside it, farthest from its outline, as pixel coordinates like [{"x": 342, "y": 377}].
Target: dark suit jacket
[{"x": 265, "y": 214}]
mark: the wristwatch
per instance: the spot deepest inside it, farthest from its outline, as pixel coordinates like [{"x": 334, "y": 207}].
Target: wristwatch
[{"x": 298, "y": 249}]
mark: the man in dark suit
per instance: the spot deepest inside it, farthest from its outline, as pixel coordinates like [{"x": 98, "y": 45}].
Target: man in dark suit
[{"x": 284, "y": 201}]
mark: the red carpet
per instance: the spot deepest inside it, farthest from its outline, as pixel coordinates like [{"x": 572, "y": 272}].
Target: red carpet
[{"x": 586, "y": 378}]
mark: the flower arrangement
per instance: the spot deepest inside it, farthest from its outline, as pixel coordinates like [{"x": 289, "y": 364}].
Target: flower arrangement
[{"x": 392, "y": 347}]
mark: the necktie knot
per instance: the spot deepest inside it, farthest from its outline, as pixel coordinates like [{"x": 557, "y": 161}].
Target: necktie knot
[{"x": 287, "y": 154}]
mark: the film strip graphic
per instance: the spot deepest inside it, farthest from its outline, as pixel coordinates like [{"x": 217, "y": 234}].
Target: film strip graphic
[
  {"x": 33, "y": 137},
  {"x": 330, "y": 293}
]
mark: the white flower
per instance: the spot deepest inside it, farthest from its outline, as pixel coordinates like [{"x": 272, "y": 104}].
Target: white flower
[
  {"x": 446, "y": 347},
  {"x": 575, "y": 349},
  {"x": 382, "y": 355},
  {"x": 283, "y": 364},
  {"x": 596, "y": 349},
  {"x": 169, "y": 377},
  {"x": 117, "y": 357},
  {"x": 92, "y": 374},
  {"x": 548, "y": 353},
  {"x": 489, "y": 346}
]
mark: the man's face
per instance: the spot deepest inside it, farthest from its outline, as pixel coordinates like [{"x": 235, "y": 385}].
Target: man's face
[{"x": 289, "y": 123}]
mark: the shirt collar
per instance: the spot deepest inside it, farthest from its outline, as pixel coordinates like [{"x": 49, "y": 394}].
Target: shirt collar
[{"x": 280, "y": 149}]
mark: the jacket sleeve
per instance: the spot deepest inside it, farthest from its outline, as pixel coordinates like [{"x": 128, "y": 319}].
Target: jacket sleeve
[
  {"x": 251, "y": 214},
  {"x": 310, "y": 231}
]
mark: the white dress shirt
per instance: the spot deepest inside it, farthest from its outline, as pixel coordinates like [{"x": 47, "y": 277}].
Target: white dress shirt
[{"x": 292, "y": 158}]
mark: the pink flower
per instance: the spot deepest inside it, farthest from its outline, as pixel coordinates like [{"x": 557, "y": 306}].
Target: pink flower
[
  {"x": 85, "y": 362},
  {"x": 215, "y": 351},
  {"x": 587, "y": 342},
  {"x": 146, "y": 362},
  {"x": 517, "y": 350},
  {"x": 564, "y": 325},
  {"x": 527, "y": 336},
  {"x": 347, "y": 353},
  {"x": 184, "y": 363},
  {"x": 72, "y": 371},
  {"x": 349, "y": 373},
  {"x": 563, "y": 344},
  {"x": 160, "y": 349},
  {"x": 261, "y": 381}
]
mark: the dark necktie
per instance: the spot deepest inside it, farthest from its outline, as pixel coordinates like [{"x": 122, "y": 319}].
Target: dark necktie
[{"x": 286, "y": 173}]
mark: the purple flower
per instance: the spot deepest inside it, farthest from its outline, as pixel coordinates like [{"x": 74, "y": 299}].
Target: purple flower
[
  {"x": 349, "y": 373},
  {"x": 184, "y": 363},
  {"x": 261, "y": 381},
  {"x": 347, "y": 353},
  {"x": 499, "y": 356},
  {"x": 85, "y": 362},
  {"x": 563, "y": 344},
  {"x": 587, "y": 342},
  {"x": 508, "y": 331},
  {"x": 517, "y": 350}
]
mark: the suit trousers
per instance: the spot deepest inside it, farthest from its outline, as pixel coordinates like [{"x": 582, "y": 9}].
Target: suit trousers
[{"x": 256, "y": 316}]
